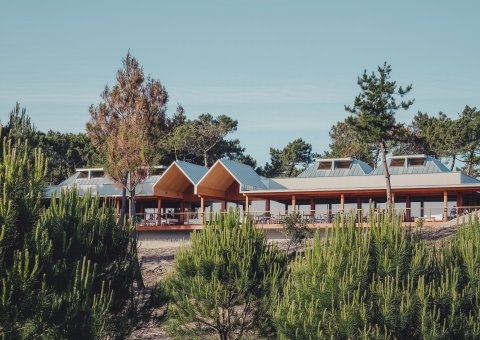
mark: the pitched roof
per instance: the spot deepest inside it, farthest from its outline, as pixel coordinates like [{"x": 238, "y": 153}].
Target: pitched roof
[
  {"x": 430, "y": 166},
  {"x": 101, "y": 186},
  {"x": 194, "y": 172},
  {"x": 244, "y": 174},
  {"x": 357, "y": 168}
]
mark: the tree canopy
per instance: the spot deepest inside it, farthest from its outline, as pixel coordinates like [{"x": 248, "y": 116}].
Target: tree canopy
[
  {"x": 374, "y": 112},
  {"x": 289, "y": 161}
]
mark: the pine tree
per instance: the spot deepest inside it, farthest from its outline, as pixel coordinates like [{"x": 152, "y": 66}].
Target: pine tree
[{"x": 222, "y": 284}]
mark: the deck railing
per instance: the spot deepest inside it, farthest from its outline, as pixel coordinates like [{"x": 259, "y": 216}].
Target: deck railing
[{"x": 412, "y": 215}]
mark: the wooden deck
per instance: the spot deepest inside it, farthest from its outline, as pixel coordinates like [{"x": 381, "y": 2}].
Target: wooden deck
[{"x": 269, "y": 226}]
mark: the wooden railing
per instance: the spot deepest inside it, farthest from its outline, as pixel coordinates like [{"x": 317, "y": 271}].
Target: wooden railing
[{"x": 431, "y": 214}]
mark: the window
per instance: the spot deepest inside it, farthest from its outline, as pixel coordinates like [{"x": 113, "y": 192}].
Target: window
[
  {"x": 325, "y": 165},
  {"x": 156, "y": 171},
  {"x": 82, "y": 174},
  {"x": 343, "y": 164},
  {"x": 96, "y": 174},
  {"x": 397, "y": 162},
  {"x": 416, "y": 161}
]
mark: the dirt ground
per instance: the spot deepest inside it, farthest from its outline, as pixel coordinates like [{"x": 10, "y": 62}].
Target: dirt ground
[{"x": 157, "y": 252}]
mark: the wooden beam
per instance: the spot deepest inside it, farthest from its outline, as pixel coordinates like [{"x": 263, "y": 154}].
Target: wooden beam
[
  {"x": 169, "y": 194},
  {"x": 209, "y": 192}
]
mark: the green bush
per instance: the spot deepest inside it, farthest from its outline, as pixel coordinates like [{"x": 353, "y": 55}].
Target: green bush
[
  {"x": 222, "y": 283},
  {"x": 66, "y": 271},
  {"x": 383, "y": 282}
]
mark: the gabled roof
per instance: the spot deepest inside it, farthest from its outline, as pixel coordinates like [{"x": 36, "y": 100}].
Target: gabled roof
[
  {"x": 357, "y": 168},
  {"x": 430, "y": 166},
  {"x": 101, "y": 186},
  {"x": 194, "y": 172},
  {"x": 244, "y": 175}
]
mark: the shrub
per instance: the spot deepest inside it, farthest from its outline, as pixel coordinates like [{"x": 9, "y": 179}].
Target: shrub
[
  {"x": 383, "y": 282},
  {"x": 66, "y": 271},
  {"x": 222, "y": 283}
]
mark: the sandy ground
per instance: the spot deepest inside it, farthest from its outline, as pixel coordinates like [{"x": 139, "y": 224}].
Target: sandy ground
[{"x": 157, "y": 251}]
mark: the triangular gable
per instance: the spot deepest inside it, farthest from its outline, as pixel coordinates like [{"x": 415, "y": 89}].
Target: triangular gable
[{"x": 177, "y": 178}]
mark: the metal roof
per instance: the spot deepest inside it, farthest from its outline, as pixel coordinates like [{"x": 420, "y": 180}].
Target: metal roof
[
  {"x": 431, "y": 166},
  {"x": 244, "y": 174},
  {"x": 357, "y": 168},
  {"x": 101, "y": 186},
  {"x": 194, "y": 172}
]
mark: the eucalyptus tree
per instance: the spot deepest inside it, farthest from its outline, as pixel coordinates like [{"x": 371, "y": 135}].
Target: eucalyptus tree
[{"x": 374, "y": 112}]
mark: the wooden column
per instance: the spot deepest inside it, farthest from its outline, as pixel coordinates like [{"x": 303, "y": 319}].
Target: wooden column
[
  {"x": 459, "y": 203},
  {"x": 247, "y": 204},
  {"x": 342, "y": 207},
  {"x": 267, "y": 206},
  {"x": 294, "y": 204},
  {"x": 359, "y": 210},
  {"x": 223, "y": 208},
  {"x": 312, "y": 210},
  {"x": 159, "y": 211},
  {"x": 393, "y": 200},
  {"x": 181, "y": 218},
  {"x": 445, "y": 206},
  {"x": 408, "y": 206},
  {"x": 202, "y": 209}
]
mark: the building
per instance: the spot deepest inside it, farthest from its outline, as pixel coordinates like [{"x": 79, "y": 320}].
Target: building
[{"x": 185, "y": 195}]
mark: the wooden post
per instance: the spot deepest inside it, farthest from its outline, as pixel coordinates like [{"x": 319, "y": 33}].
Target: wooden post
[
  {"x": 342, "y": 207},
  {"x": 312, "y": 210},
  {"x": 247, "y": 204},
  {"x": 202, "y": 209},
  {"x": 393, "y": 200},
  {"x": 359, "y": 210},
  {"x": 294, "y": 204},
  {"x": 267, "y": 206},
  {"x": 181, "y": 218},
  {"x": 459, "y": 203},
  {"x": 223, "y": 208},
  {"x": 408, "y": 206},
  {"x": 159, "y": 211},
  {"x": 445, "y": 206}
]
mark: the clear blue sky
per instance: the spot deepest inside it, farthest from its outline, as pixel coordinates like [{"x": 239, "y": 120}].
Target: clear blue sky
[{"x": 283, "y": 69}]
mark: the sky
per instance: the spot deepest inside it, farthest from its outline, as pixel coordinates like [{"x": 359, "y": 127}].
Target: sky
[{"x": 283, "y": 69}]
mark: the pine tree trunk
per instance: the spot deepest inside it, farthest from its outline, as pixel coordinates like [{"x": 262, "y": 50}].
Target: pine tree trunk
[
  {"x": 470, "y": 163},
  {"x": 387, "y": 176},
  {"x": 453, "y": 163},
  {"x": 124, "y": 204},
  {"x": 133, "y": 208},
  {"x": 205, "y": 159}
]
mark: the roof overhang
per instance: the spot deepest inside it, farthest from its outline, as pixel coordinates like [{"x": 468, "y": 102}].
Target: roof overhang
[{"x": 172, "y": 183}]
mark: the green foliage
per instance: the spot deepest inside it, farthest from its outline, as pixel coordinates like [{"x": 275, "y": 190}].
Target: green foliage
[
  {"x": 295, "y": 229},
  {"x": 65, "y": 151},
  {"x": 202, "y": 140},
  {"x": 66, "y": 271},
  {"x": 222, "y": 283},
  {"x": 383, "y": 282},
  {"x": 345, "y": 142},
  {"x": 289, "y": 161}
]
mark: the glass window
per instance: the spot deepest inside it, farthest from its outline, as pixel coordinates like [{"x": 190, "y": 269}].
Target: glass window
[
  {"x": 325, "y": 165},
  {"x": 397, "y": 162}
]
